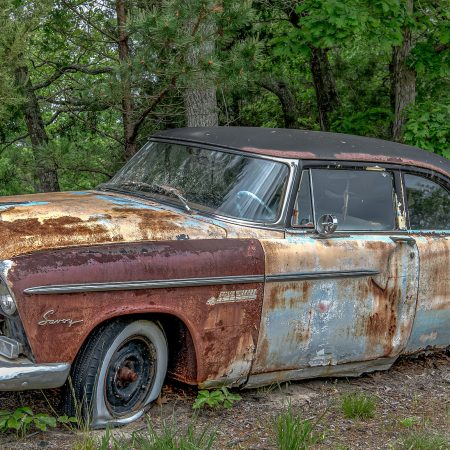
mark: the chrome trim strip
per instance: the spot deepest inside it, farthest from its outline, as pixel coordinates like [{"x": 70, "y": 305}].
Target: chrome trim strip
[
  {"x": 301, "y": 276},
  {"x": 150, "y": 284},
  {"x": 184, "y": 282},
  {"x": 22, "y": 374}
]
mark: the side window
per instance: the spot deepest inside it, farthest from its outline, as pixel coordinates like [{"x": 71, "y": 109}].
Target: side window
[
  {"x": 303, "y": 215},
  {"x": 428, "y": 204},
  {"x": 360, "y": 199}
]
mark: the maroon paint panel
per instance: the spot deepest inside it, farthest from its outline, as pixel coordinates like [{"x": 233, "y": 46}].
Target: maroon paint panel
[{"x": 224, "y": 334}]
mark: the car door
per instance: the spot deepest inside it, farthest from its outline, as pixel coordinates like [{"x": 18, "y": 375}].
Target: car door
[
  {"x": 428, "y": 203},
  {"x": 333, "y": 301}
]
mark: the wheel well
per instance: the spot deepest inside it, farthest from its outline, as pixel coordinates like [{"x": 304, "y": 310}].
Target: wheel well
[{"x": 182, "y": 357}]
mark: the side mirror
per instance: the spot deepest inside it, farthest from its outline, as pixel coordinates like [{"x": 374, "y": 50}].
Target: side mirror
[{"x": 326, "y": 225}]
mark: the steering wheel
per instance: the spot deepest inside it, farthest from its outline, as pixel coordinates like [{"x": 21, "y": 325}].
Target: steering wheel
[{"x": 241, "y": 194}]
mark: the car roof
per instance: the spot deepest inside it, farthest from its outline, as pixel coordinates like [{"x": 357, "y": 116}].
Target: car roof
[{"x": 309, "y": 145}]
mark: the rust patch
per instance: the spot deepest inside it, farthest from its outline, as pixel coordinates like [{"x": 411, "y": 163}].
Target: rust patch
[
  {"x": 65, "y": 219},
  {"x": 126, "y": 375},
  {"x": 389, "y": 159},
  {"x": 280, "y": 153},
  {"x": 287, "y": 294},
  {"x": 381, "y": 325}
]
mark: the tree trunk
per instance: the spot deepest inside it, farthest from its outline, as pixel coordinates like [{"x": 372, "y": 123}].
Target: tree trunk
[
  {"x": 287, "y": 99},
  {"x": 327, "y": 98},
  {"x": 127, "y": 97},
  {"x": 46, "y": 174},
  {"x": 324, "y": 85},
  {"x": 201, "y": 106},
  {"x": 200, "y": 99},
  {"x": 403, "y": 80}
]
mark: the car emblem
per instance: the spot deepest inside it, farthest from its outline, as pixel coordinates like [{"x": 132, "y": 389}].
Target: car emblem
[
  {"x": 50, "y": 321},
  {"x": 233, "y": 296}
]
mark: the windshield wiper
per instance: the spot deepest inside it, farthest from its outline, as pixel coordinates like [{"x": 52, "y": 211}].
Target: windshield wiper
[
  {"x": 139, "y": 184},
  {"x": 156, "y": 187},
  {"x": 177, "y": 193}
]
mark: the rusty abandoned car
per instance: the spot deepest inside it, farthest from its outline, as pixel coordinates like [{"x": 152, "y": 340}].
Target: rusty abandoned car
[{"x": 226, "y": 256}]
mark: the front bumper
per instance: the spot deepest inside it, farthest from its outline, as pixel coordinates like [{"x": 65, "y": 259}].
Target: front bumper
[{"x": 21, "y": 374}]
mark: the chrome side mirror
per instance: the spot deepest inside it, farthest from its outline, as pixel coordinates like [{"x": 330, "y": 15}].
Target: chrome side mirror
[{"x": 326, "y": 225}]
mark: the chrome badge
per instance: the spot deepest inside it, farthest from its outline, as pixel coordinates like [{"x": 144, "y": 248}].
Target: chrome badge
[
  {"x": 47, "y": 320},
  {"x": 233, "y": 296}
]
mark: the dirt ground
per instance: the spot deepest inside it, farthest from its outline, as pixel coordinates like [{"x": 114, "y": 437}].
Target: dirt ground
[{"x": 416, "y": 388}]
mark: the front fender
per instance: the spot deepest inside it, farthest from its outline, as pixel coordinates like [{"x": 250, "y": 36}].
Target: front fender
[{"x": 214, "y": 286}]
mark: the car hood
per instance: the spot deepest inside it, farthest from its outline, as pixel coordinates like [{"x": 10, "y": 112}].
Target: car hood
[{"x": 43, "y": 221}]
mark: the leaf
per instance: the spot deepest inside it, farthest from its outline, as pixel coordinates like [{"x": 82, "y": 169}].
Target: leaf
[
  {"x": 25, "y": 410},
  {"x": 3, "y": 422},
  {"x": 66, "y": 419},
  {"x": 41, "y": 426},
  {"x": 45, "y": 419},
  {"x": 13, "y": 423}
]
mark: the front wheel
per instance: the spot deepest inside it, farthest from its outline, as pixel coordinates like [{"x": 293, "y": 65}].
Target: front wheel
[{"x": 118, "y": 373}]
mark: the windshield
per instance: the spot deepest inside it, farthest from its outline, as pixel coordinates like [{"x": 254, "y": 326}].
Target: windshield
[{"x": 223, "y": 183}]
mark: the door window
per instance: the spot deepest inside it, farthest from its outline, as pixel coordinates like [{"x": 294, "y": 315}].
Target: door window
[
  {"x": 428, "y": 204},
  {"x": 360, "y": 199}
]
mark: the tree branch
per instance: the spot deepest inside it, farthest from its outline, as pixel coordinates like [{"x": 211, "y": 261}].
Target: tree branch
[
  {"x": 109, "y": 136},
  {"x": 9, "y": 143},
  {"x": 71, "y": 69},
  {"x": 86, "y": 20},
  {"x": 148, "y": 110}
]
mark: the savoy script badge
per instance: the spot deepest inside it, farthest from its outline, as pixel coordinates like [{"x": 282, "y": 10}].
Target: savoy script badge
[{"x": 47, "y": 319}]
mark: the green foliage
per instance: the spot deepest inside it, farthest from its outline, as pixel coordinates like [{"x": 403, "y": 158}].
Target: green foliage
[
  {"x": 216, "y": 398},
  {"x": 428, "y": 127},
  {"x": 70, "y": 53},
  {"x": 294, "y": 433},
  {"x": 423, "y": 440},
  {"x": 371, "y": 122},
  {"x": 409, "y": 422},
  {"x": 358, "y": 406},
  {"x": 22, "y": 419}
]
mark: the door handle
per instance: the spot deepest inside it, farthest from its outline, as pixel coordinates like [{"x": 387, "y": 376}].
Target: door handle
[{"x": 403, "y": 239}]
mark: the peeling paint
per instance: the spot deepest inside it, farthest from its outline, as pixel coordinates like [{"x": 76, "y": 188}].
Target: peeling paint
[{"x": 428, "y": 337}]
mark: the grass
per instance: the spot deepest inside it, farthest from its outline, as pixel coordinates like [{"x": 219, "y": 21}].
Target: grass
[
  {"x": 294, "y": 433},
  {"x": 424, "y": 440},
  {"x": 358, "y": 406},
  {"x": 170, "y": 436}
]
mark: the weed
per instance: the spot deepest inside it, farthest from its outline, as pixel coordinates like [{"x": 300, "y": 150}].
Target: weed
[
  {"x": 423, "y": 440},
  {"x": 215, "y": 398},
  {"x": 416, "y": 400},
  {"x": 170, "y": 437},
  {"x": 294, "y": 433},
  {"x": 358, "y": 406},
  {"x": 87, "y": 441},
  {"x": 22, "y": 419},
  {"x": 408, "y": 422},
  {"x": 265, "y": 390}
]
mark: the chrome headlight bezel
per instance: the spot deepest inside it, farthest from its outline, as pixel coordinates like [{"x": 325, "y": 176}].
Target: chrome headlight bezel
[{"x": 7, "y": 301}]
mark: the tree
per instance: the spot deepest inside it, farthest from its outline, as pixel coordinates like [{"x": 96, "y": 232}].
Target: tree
[{"x": 403, "y": 78}]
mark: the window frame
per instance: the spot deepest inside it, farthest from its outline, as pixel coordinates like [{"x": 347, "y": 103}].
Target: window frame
[
  {"x": 430, "y": 176},
  {"x": 400, "y": 214}
]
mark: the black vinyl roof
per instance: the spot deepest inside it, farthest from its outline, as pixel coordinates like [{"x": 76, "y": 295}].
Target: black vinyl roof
[{"x": 304, "y": 144}]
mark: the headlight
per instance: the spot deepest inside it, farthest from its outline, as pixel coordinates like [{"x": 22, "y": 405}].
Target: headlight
[{"x": 7, "y": 302}]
